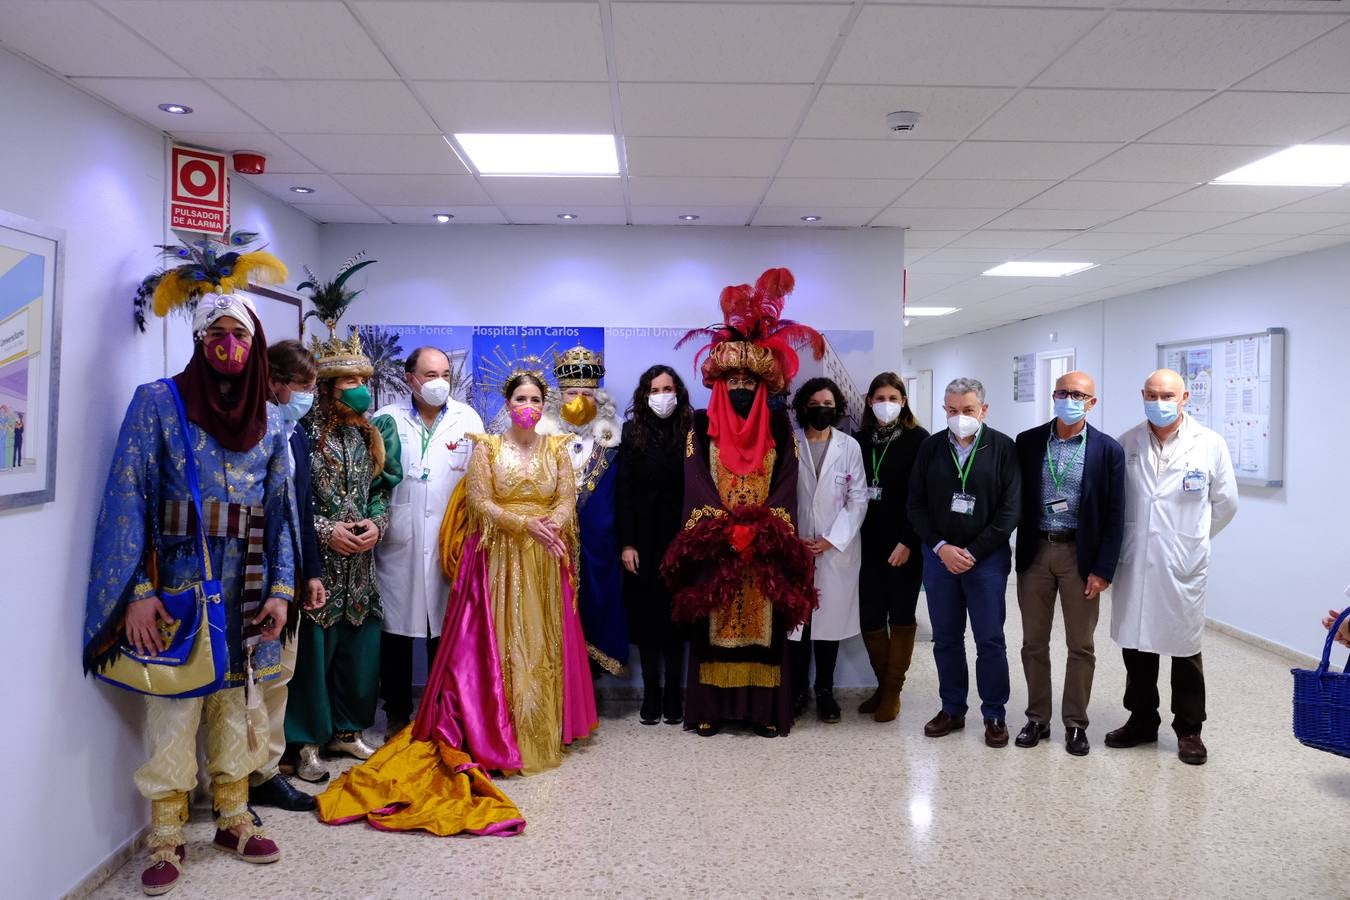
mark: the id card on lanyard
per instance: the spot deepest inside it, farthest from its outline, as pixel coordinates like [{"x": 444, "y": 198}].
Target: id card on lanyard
[
  {"x": 426, "y": 434},
  {"x": 874, "y": 489},
  {"x": 963, "y": 503},
  {"x": 1060, "y": 503}
]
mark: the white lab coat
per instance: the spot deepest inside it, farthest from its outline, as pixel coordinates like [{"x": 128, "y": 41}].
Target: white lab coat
[
  {"x": 833, "y": 507},
  {"x": 1158, "y": 597},
  {"x": 407, "y": 560}
]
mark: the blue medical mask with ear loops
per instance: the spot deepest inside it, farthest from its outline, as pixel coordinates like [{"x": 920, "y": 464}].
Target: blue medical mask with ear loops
[
  {"x": 1070, "y": 411},
  {"x": 1161, "y": 412}
]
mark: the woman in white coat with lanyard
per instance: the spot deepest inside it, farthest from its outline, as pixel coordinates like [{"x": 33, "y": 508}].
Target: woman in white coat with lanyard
[{"x": 831, "y": 506}]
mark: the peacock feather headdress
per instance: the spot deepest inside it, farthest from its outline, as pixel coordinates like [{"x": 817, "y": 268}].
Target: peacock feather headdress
[
  {"x": 336, "y": 356},
  {"x": 208, "y": 266}
]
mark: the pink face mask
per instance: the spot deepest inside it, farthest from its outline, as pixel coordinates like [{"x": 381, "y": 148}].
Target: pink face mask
[
  {"x": 525, "y": 416},
  {"x": 227, "y": 355}
]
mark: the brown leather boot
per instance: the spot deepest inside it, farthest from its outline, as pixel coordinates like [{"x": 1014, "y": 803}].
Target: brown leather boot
[
  {"x": 897, "y": 665},
  {"x": 878, "y": 644}
]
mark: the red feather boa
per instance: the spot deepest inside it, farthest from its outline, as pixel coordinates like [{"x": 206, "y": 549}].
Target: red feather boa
[{"x": 706, "y": 565}]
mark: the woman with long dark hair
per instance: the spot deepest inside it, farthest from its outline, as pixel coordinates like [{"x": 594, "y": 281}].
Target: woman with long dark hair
[
  {"x": 892, "y": 564},
  {"x": 651, "y": 493}
]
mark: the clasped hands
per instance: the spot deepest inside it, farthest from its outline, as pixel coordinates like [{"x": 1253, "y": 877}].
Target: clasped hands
[
  {"x": 346, "y": 542},
  {"x": 548, "y": 534}
]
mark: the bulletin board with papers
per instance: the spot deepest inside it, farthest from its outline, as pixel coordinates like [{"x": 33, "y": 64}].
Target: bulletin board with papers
[{"x": 1237, "y": 389}]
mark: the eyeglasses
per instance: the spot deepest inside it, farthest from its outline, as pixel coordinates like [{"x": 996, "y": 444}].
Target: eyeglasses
[{"x": 1076, "y": 395}]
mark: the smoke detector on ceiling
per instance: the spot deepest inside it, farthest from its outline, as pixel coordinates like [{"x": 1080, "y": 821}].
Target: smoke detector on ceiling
[{"x": 902, "y": 121}]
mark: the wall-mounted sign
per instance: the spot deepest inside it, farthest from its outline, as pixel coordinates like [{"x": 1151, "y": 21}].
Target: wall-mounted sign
[
  {"x": 199, "y": 191},
  {"x": 1024, "y": 378}
]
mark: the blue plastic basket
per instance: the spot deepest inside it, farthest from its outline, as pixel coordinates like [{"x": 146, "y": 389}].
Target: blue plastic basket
[{"x": 1322, "y": 702}]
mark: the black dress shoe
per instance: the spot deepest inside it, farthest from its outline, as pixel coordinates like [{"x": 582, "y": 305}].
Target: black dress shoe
[
  {"x": 944, "y": 723},
  {"x": 279, "y": 792},
  {"x": 650, "y": 713},
  {"x": 800, "y": 703},
  {"x": 995, "y": 733},
  {"x": 673, "y": 707},
  {"x": 1076, "y": 742},
  {"x": 1191, "y": 750},
  {"x": 1032, "y": 734},
  {"x": 1131, "y": 734},
  {"x": 827, "y": 708}
]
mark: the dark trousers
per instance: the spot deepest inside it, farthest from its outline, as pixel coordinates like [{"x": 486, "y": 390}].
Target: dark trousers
[
  {"x": 826, "y": 653},
  {"x": 979, "y": 595},
  {"x": 396, "y": 673},
  {"x": 336, "y": 683},
  {"x": 1188, "y": 691}
]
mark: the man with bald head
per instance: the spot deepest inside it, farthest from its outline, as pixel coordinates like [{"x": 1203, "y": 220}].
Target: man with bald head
[
  {"x": 1068, "y": 543},
  {"x": 1180, "y": 491}
]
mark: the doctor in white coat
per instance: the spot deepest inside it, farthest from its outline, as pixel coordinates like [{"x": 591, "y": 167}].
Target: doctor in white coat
[
  {"x": 831, "y": 505},
  {"x": 432, "y": 430},
  {"x": 1180, "y": 491}
]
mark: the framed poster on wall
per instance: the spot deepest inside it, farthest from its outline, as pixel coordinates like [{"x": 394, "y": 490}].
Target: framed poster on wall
[{"x": 31, "y": 262}]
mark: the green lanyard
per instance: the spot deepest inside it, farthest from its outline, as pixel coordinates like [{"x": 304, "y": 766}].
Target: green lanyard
[
  {"x": 970, "y": 460},
  {"x": 1058, "y": 477},
  {"x": 426, "y": 434},
  {"x": 876, "y": 463}
]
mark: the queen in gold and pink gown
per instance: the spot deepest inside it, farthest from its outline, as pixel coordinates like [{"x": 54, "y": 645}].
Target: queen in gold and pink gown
[{"x": 511, "y": 684}]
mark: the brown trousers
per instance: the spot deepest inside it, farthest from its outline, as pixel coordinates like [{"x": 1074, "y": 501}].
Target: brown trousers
[{"x": 1055, "y": 571}]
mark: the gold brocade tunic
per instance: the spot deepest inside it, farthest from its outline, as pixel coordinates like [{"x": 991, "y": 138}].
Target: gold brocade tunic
[{"x": 506, "y": 487}]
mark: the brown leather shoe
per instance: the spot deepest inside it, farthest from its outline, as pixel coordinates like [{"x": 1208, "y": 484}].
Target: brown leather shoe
[
  {"x": 1191, "y": 750},
  {"x": 995, "y": 733},
  {"x": 1131, "y": 735},
  {"x": 1076, "y": 741},
  {"x": 944, "y": 724},
  {"x": 1032, "y": 734}
]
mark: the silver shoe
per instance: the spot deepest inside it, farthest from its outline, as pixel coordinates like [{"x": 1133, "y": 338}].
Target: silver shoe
[
  {"x": 310, "y": 768},
  {"x": 350, "y": 744}
]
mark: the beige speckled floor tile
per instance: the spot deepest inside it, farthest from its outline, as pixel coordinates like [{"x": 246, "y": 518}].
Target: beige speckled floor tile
[{"x": 866, "y": 810}]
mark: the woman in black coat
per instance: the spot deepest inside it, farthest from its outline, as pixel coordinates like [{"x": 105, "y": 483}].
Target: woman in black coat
[
  {"x": 651, "y": 494},
  {"x": 892, "y": 564}
]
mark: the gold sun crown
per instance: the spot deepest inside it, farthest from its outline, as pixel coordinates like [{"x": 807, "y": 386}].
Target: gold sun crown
[
  {"x": 337, "y": 357},
  {"x": 579, "y": 367}
]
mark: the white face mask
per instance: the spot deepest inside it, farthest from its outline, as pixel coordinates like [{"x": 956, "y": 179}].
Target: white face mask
[
  {"x": 887, "y": 411},
  {"x": 435, "y": 392},
  {"x": 663, "y": 404},
  {"x": 963, "y": 426}
]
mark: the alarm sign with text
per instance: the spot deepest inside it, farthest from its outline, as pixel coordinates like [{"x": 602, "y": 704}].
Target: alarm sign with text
[{"x": 199, "y": 199}]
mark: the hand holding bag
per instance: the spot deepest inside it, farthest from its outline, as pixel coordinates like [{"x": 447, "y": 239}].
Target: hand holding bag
[
  {"x": 1322, "y": 701},
  {"x": 194, "y": 661}
]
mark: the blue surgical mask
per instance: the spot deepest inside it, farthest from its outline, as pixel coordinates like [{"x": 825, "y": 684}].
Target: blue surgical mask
[
  {"x": 1161, "y": 412},
  {"x": 294, "y": 410},
  {"x": 1070, "y": 411}
]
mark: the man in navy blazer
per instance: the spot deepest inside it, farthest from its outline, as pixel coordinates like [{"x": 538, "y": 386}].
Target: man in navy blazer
[{"x": 1068, "y": 543}]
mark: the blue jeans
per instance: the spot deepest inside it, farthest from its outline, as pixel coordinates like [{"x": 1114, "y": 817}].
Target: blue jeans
[{"x": 979, "y": 593}]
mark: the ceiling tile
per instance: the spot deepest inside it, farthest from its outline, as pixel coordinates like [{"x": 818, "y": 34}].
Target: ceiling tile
[
  {"x": 1248, "y": 117},
  {"x": 1106, "y": 240},
  {"x": 78, "y": 38},
  {"x": 1309, "y": 243},
  {"x": 921, "y": 238},
  {"x": 1236, "y": 198},
  {"x": 920, "y": 284},
  {"x": 331, "y": 107},
  {"x": 955, "y": 45},
  {"x": 1180, "y": 50},
  {"x": 712, "y": 110},
  {"x": 1009, "y": 240},
  {"x": 1323, "y": 65},
  {"x": 935, "y": 217},
  {"x": 277, "y": 39},
  {"x": 669, "y": 191},
  {"x": 1339, "y": 136},
  {"x": 1181, "y": 163},
  {"x": 326, "y": 190},
  {"x": 936, "y": 192},
  {"x": 707, "y": 215},
  {"x": 716, "y": 42},
  {"x": 862, "y": 159},
  {"x": 1226, "y": 243},
  {"x": 1337, "y": 201},
  {"x": 1104, "y": 195},
  {"x": 859, "y": 111},
  {"x": 343, "y": 213},
  {"x": 1285, "y": 223},
  {"x": 140, "y": 98},
  {"x": 991, "y": 256},
  {"x": 424, "y": 215},
  {"x": 511, "y": 191},
  {"x": 1046, "y": 114},
  {"x": 1056, "y": 219},
  {"x": 537, "y": 41},
  {"x": 281, "y": 157},
  {"x": 518, "y": 107},
  {"x": 416, "y": 190},
  {"x": 834, "y": 192},
  {"x": 548, "y": 215},
  {"x": 1019, "y": 159},
  {"x": 1164, "y": 257},
  {"x": 1171, "y": 222},
  {"x": 379, "y": 153},
  {"x": 704, "y": 156},
  {"x": 834, "y": 217}
]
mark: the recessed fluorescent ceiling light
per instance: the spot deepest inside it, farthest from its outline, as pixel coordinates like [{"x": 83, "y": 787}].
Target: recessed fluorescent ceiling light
[
  {"x": 1040, "y": 269},
  {"x": 443, "y": 217},
  {"x": 541, "y": 154},
  {"x": 299, "y": 189},
  {"x": 930, "y": 311},
  {"x": 176, "y": 109},
  {"x": 1311, "y": 165}
]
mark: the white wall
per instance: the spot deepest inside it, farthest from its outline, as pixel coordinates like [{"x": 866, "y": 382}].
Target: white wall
[
  {"x": 70, "y": 162},
  {"x": 1283, "y": 561}
]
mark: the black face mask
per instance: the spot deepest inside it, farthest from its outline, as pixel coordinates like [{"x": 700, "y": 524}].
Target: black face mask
[
  {"x": 741, "y": 400},
  {"x": 821, "y": 417}
]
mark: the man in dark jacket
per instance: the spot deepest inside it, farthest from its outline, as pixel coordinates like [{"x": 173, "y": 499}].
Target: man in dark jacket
[
  {"x": 1073, "y": 519},
  {"x": 964, "y": 501}
]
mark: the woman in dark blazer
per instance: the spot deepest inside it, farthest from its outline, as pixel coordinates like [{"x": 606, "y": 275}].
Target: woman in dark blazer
[{"x": 649, "y": 506}]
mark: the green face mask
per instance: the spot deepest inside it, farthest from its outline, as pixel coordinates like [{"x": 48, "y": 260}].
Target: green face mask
[{"x": 357, "y": 399}]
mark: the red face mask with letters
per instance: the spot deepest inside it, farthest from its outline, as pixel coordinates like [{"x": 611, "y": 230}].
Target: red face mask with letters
[{"x": 227, "y": 355}]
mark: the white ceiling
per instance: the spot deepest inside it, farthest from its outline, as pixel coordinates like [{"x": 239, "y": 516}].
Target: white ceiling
[{"x": 1051, "y": 129}]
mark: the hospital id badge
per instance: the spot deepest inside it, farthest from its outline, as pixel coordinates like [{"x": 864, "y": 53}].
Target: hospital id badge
[
  {"x": 426, "y": 473},
  {"x": 1194, "y": 482},
  {"x": 874, "y": 492},
  {"x": 963, "y": 503},
  {"x": 1055, "y": 507}
]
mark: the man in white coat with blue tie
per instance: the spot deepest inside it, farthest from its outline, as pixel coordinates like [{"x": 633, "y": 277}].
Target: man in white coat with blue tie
[
  {"x": 432, "y": 429},
  {"x": 832, "y": 498},
  {"x": 1180, "y": 491}
]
